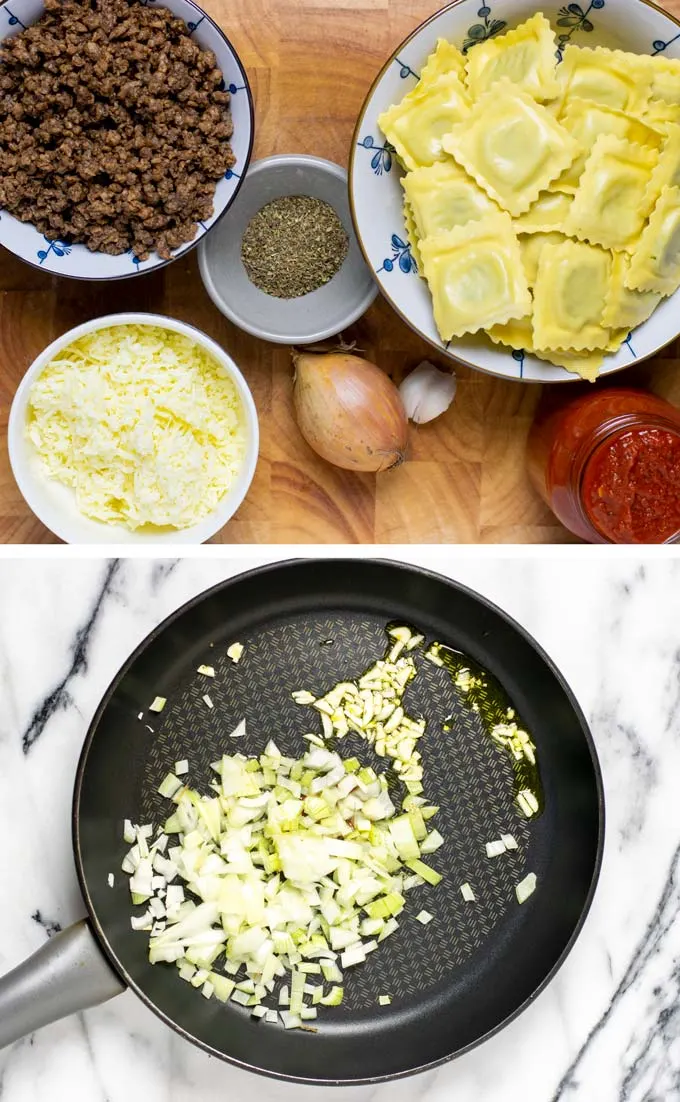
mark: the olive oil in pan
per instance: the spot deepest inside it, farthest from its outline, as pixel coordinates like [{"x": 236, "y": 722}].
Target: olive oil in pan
[{"x": 484, "y": 694}]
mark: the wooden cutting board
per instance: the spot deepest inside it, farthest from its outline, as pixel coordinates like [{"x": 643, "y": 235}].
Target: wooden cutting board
[{"x": 311, "y": 63}]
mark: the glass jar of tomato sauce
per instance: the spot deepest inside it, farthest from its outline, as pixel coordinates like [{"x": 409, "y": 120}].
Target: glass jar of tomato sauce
[{"x": 608, "y": 465}]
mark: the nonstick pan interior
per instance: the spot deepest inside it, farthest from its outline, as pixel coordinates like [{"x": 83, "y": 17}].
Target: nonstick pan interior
[{"x": 309, "y": 625}]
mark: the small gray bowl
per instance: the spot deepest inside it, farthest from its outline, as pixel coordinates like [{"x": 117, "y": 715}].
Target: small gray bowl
[{"x": 311, "y": 317}]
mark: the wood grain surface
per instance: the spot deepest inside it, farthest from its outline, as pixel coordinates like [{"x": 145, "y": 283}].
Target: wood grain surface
[{"x": 311, "y": 63}]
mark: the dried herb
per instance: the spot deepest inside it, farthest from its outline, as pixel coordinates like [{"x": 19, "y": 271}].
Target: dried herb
[{"x": 293, "y": 245}]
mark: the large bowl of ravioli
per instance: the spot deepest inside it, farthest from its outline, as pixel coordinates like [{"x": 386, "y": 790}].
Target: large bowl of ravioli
[{"x": 515, "y": 185}]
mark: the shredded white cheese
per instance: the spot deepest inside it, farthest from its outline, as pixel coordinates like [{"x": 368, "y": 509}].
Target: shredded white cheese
[
  {"x": 142, "y": 423},
  {"x": 526, "y": 887}
]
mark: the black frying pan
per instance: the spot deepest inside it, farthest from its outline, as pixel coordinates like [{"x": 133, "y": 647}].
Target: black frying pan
[{"x": 454, "y": 982}]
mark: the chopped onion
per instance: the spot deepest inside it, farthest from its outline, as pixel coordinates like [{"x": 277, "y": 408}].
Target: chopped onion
[
  {"x": 428, "y": 874},
  {"x": 235, "y": 652},
  {"x": 207, "y": 671},
  {"x": 495, "y": 849},
  {"x": 286, "y": 878},
  {"x": 283, "y": 866},
  {"x": 170, "y": 786},
  {"x": 424, "y": 917},
  {"x": 527, "y": 802},
  {"x": 158, "y": 704},
  {"x": 526, "y": 887},
  {"x": 302, "y": 696},
  {"x": 331, "y": 972},
  {"x": 223, "y": 987},
  {"x": 142, "y": 923},
  {"x": 432, "y": 842},
  {"x": 354, "y": 955},
  {"x": 334, "y": 997},
  {"x": 389, "y": 928}
]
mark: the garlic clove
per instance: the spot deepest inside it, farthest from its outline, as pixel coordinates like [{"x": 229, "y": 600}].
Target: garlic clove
[{"x": 427, "y": 392}]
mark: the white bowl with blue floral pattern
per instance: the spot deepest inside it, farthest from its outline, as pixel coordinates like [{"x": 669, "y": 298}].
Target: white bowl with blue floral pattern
[
  {"x": 376, "y": 195},
  {"x": 77, "y": 261}
]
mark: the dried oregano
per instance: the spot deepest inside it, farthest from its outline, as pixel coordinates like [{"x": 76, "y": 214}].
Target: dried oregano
[{"x": 293, "y": 245}]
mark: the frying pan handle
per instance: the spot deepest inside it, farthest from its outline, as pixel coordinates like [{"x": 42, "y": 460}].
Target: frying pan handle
[{"x": 69, "y": 973}]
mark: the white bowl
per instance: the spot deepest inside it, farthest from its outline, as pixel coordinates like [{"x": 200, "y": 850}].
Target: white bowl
[
  {"x": 376, "y": 194},
  {"x": 55, "y": 504},
  {"x": 312, "y": 317},
  {"x": 77, "y": 261}
]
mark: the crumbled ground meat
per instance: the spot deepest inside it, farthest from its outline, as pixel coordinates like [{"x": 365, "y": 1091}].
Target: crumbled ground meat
[{"x": 113, "y": 127}]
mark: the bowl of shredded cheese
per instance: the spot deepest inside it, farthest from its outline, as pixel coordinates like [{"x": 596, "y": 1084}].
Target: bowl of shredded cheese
[
  {"x": 133, "y": 428},
  {"x": 515, "y": 185}
]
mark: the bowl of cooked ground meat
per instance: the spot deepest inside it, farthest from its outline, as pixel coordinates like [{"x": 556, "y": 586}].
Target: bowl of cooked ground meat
[{"x": 126, "y": 128}]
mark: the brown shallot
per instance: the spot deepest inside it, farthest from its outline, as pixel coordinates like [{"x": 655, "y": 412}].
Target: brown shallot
[{"x": 349, "y": 411}]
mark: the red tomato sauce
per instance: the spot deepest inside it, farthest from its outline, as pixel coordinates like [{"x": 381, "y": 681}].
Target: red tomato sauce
[{"x": 631, "y": 486}]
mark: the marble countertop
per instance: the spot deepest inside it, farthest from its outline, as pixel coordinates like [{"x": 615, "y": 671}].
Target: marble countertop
[{"x": 606, "y": 1030}]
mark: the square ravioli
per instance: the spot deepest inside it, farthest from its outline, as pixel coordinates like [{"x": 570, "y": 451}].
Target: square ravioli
[
  {"x": 517, "y": 334},
  {"x": 609, "y": 77},
  {"x": 586, "y": 364},
  {"x": 667, "y": 171},
  {"x": 525, "y": 55},
  {"x": 664, "y": 79},
  {"x": 415, "y": 126},
  {"x": 586, "y": 121},
  {"x": 446, "y": 58},
  {"x": 548, "y": 212},
  {"x": 612, "y": 202},
  {"x": 476, "y": 276},
  {"x": 412, "y": 235},
  {"x": 512, "y": 146},
  {"x": 658, "y": 113},
  {"x": 531, "y": 246},
  {"x": 442, "y": 196},
  {"x": 655, "y": 265},
  {"x": 626, "y": 309},
  {"x": 569, "y": 297}
]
